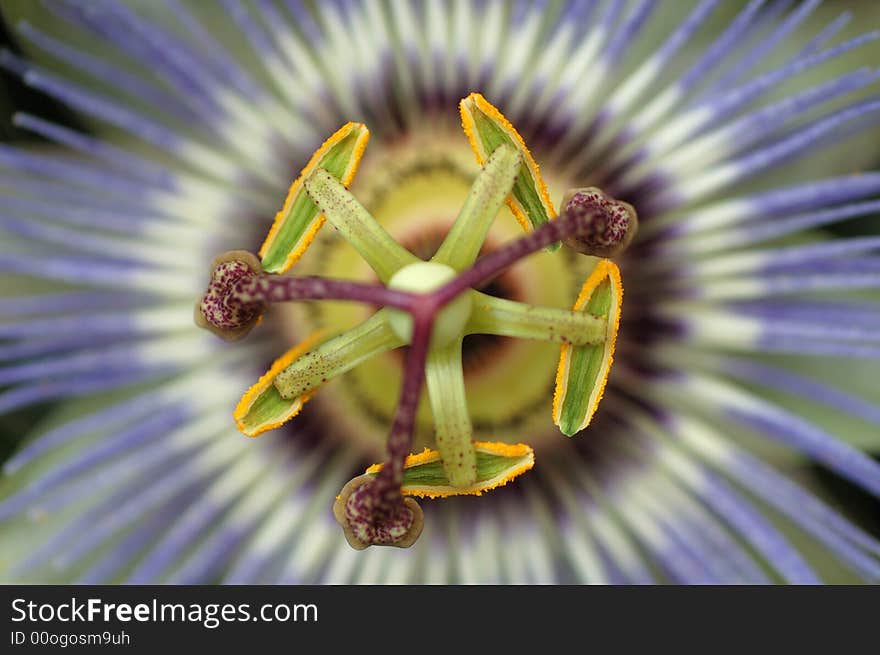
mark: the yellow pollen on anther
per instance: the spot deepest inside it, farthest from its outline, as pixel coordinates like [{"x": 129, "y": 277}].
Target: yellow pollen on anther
[
  {"x": 604, "y": 269},
  {"x": 522, "y": 454},
  {"x": 296, "y": 189},
  {"x": 470, "y": 130},
  {"x": 265, "y": 381}
]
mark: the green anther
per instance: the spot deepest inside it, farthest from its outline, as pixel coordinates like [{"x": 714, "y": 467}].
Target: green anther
[
  {"x": 423, "y": 277},
  {"x": 267, "y": 407},
  {"x": 584, "y": 369},
  {"x": 338, "y": 355},
  {"x": 434, "y": 474},
  {"x": 508, "y": 318},
  {"x": 299, "y": 220},
  {"x": 452, "y": 424},
  {"x": 496, "y": 465},
  {"x": 487, "y": 195},
  {"x": 524, "y": 188},
  {"x": 355, "y": 224},
  {"x": 489, "y": 130}
]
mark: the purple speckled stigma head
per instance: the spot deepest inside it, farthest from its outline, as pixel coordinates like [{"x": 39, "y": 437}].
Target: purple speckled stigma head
[
  {"x": 220, "y": 310},
  {"x": 399, "y": 524},
  {"x": 615, "y": 225}
]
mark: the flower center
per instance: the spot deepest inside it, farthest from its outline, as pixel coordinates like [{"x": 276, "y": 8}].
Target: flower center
[
  {"x": 421, "y": 278},
  {"x": 479, "y": 351},
  {"x": 429, "y": 306},
  {"x": 415, "y": 188}
]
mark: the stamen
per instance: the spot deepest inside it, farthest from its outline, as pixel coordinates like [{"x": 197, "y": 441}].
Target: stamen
[
  {"x": 338, "y": 355},
  {"x": 508, "y": 318},
  {"x": 452, "y": 424},
  {"x": 428, "y": 305}
]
